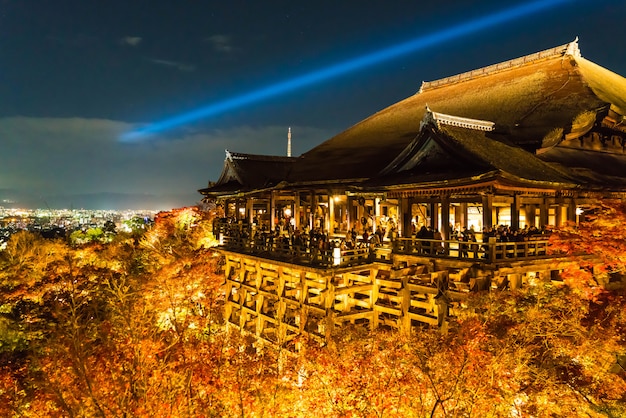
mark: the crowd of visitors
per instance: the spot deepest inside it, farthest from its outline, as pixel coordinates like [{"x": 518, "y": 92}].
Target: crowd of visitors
[{"x": 286, "y": 238}]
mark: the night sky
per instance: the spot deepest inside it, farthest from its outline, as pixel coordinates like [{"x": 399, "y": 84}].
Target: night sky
[{"x": 76, "y": 76}]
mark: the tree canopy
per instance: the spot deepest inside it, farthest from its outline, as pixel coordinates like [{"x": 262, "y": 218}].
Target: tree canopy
[{"x": 134, "y": 327}]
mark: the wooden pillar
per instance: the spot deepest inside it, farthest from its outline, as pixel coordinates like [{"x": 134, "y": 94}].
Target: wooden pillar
[
  {"x": 558, "y": 216},
  {"x": 326, "y": 226},
  {"x": 571, "y": 210},
  {"x": 445, "y": 217},
  {"x": 349, "y": 210},
  {"x": 376, "y": 213},
  {"x": 374, "y": 297},
  {"x": 226, "y": 208},
  {"x": 250, "y": 210},
  {"x": 515, "y": 212},
  {"x": 462, "y": 218},
  {"x": 487, "y": 210},
  {"x": 331, "y": 215},
  {"x": 272, "y": 210},
  {"x": 543, "y": 214},
  {"x": 405, "y": 216},
  {"x": 296, "y": 210},
  {"x": 313, "y": 212},
  {"x": 434, "y": 215},
  {"x": 404, "y": 322}
]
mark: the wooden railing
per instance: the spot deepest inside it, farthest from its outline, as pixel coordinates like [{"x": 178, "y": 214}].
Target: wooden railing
[
  {"x": 535, "y": 246},
  {"x": 492, "y": 251},
  {"x": 280, "y": 250}
]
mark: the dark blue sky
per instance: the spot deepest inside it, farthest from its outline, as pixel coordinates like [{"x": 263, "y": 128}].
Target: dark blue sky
[{"x": 75, "y": 74}]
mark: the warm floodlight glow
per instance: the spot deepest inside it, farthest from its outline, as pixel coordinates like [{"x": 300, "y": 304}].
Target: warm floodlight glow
[
  {"x": 336, "y": 256},
  {"x": 287, "y": 212},
  {"x": 336, "y": 70}
]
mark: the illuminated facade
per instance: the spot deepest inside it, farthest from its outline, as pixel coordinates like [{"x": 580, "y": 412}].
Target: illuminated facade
[
  {"x": 527, "y": 143},
  {"x": 522, "y": 143}
]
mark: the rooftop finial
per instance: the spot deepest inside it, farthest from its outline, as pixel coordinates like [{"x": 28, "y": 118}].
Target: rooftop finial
[
  {"x": 573, "y": 49},
  {"x": 289, "y": 142}
]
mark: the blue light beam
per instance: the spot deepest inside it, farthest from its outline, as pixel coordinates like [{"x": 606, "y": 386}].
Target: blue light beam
[{"x": 343, "y": 68}]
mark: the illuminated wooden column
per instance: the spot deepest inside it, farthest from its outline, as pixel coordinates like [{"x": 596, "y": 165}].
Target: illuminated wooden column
[
  {"x": 462, "y": 215},
  {"x": 250, "y": 210},
  {"x": 445, "y": 217},
  {"x": 487, "y": 210},
  {"x": 543, "y": 214},
  {"x": 571, "y": 210},
  {"x": 331, "y": 215},
  {"x": 272, "y": 210},
  {"x": 296, "y": 210},
  {"x": 313, "y": 211},
  {"x": 376, "y": 213},
  {"x": 434, "y": 215},
  {"x": 515, "y": 212},
  {"x": 349, "y": 210},
  {"x": 405, "y": 212},
  {"x": 558, "y": 215}
]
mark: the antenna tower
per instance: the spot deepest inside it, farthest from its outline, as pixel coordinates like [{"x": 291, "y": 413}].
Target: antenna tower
[{"x": 289, "y": 142}]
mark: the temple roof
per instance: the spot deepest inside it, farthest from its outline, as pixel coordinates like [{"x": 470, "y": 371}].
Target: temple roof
[
  {"x": 245, "y": 172},
  {"x": 446, "y": 152},
  {"x": 595, "y": 169},
  {"x": 518, "y": 121},
  {"x": 527, "y": 98}
]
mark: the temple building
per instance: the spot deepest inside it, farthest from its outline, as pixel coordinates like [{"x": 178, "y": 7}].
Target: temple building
[{"x": 527, "y": 144}]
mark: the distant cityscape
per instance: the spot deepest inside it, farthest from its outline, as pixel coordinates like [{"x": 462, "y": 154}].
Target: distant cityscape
[
  {"x": 11, "y": 198},
  {"x": 59, "y": 223}
]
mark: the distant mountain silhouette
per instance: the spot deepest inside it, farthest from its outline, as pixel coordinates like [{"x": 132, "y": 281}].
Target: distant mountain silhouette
[{"x": 10, "y": 198}]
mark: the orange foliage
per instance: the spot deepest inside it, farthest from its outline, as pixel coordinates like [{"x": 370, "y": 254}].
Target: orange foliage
[{"x": 136, "y": 330}]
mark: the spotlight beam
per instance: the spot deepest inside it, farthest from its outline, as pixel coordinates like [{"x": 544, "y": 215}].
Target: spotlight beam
[{"x": 345, "y": 67}]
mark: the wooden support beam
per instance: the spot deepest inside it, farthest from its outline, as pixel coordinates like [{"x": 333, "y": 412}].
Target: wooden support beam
[
  {"x": 543, "y": 214},
  {"x": 405, "y": 319},
  {"x": 272, "y": 210},
  {"x": 405, "y": 216},
  {"x": 445, "y": 217},
  {"x": 374, "y": 298},
  {"x": 487, "y": 203}
]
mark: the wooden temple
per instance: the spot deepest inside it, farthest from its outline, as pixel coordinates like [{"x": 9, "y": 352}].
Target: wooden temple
[{"x": 522, "y": 146}]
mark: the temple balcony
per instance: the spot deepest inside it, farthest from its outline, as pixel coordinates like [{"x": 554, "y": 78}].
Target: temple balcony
[{"x": 333, "y": 256}]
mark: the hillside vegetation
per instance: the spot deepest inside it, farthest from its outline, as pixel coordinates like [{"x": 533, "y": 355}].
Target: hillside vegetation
[{"x": 134, "y": 328}]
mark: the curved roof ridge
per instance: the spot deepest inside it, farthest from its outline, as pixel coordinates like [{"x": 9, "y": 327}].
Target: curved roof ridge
[
  {"x": 570, "y": 48},
  {"x": 231, "y": 155},
  {"x": 459, "y": 121}
]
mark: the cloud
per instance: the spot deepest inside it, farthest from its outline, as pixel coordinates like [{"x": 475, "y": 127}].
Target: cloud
[
  {"x": 221, "y": 43},
  {"x": 181, "y": 66},
  {"x": 131, "y": 40},
  {"x": 65, "y": 156}
]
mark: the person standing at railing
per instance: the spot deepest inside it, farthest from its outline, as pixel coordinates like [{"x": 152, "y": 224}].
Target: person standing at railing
[
  {"x": 438, "y": 244},
  {"x": 463, "y": 238},
  {"x": 374, "y": 241},
  {"x": 349, "y": 241}
]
